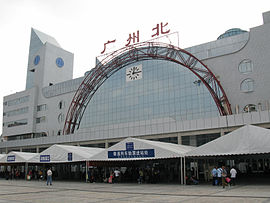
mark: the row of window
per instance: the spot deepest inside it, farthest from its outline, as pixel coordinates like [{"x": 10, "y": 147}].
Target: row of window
[
  {"x": 16, "y": 112},
  {"x": 15, "y": 123},
  {"x": 17, "y": 101},
  {"x": 245, "y": 67},
  {"x": 165, "y": 90}
]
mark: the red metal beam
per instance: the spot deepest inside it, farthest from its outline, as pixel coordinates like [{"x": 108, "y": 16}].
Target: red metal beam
[{"x": 138, "y": 52}]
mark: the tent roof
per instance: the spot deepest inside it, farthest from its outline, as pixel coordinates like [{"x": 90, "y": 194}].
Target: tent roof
[
  {"x": 161, "y": 150},
  {"x": 59, "y": 153},
  {"x": 19, "y": 157},
  {"x": 245, "y": 140}
]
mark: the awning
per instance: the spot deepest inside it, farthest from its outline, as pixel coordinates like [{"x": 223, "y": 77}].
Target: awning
[
  {"x": 2, "y": 155},
  {"x": 140, "y": 149},
  {"x": 245, "y": 140},
  {"x": 17, "y": 157},
  {"x": 65, "y": 153}
]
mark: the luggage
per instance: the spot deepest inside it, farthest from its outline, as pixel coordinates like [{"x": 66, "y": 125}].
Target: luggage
[
  {"x": 28, "y": 177},
  {"x": 110, "y": 179},
  {"x": 227, "y": 180}
]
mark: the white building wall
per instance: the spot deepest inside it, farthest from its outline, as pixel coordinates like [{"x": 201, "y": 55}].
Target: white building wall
[
  {"x": 221, "y": 56},
  {"x": 226, "y": 68},
  {"x": 30, "y": 115}
]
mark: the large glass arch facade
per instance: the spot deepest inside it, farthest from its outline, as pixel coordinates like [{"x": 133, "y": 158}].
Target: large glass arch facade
[{"x": 166, "y": 90}]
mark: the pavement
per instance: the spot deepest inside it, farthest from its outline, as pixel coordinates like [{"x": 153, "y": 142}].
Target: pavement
[{"x": 21, "y": 191}]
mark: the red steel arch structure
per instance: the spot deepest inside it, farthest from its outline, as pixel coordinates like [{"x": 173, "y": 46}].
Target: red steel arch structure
[{"x": 139, "y": 52}]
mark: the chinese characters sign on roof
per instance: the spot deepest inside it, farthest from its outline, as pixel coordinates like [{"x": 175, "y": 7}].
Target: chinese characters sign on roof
[{"x": 159, "y": 29}]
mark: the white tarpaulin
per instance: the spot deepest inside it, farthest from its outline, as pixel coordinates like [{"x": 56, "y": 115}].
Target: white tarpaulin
[
  {"x": 17, "y": 157},
  {"x": 65, "y": 153},
  {"x": 2, "y": 155},
  {"x": 245, "y": 140},
  {"x": 140, "y": 149}
]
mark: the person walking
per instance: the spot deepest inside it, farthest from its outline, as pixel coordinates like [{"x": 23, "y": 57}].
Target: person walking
[
  {"x": 117, "y": 175},
  {"x": 233, "y": 173},
  {"x": 214, "y": 175},
  {"x": 223, "y": 175},
  {"x": 219, "y": 171},
  {"x": 49, "y": 176},
  {"x": 140, "y": 180}
]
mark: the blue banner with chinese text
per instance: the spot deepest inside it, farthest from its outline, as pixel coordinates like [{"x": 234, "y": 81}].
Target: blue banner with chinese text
[
  {"x": 45, "y": 158},
  {"x": 139, "y": 153}
]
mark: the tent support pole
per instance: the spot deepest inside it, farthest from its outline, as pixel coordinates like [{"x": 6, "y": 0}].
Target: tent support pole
[
  {"x": 181, "y": 170},
  {"x": 25, "y": 170},
  {"x": 184, "y": 167},
  {"x": 197, "y": 169},
  {"x": 86, "y": 171}
]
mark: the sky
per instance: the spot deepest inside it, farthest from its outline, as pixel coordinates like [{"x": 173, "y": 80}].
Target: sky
[{"x": 83, "y": 26}]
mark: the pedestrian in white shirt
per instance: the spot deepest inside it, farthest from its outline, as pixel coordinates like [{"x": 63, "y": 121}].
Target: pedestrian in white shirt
[
  {"x": 233, "y": 173},
  {"x": 49, "y": 176}
]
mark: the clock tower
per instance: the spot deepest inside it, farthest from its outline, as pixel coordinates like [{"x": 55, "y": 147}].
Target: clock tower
[{"x": 48, "y": 63}]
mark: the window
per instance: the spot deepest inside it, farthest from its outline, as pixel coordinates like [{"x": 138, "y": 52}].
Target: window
[
  {"x": 41, "y": 119},
  {"x": 247, "y": 85},
  {"x": 249, "y": 108},
  {"x": 185, "y": 140},
  {"x": 18, "y": 101},
  {"x": 41, "y": 134},
  {"x": 16, "y": 123},
  {"x": 42, "y": 107},
  {"x": 16, "y": 112},
  {"x": 61, "y": 104},
  {"x": 61, "y": 118},
  {"x": 246, "y": 66}
]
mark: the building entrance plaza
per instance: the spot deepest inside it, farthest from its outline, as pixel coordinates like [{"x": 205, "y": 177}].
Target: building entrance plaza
[{"x": 61, "y": 191}]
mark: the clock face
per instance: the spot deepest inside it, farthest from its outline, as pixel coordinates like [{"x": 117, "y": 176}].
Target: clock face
[
  {"x": 36, "y": 60},
  {"x": 134, "y": 73},
  {"x": 59, "y": 62}
]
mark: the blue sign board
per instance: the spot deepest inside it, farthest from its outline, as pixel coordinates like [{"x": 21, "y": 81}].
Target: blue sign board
[
  {"x": 130, "y": 146},
  {"x": 10, "y": 158},
  {"x": 69, "y": 156},
  {"x": 45, "y": 158},
  {"x": 138, "y": 153}
]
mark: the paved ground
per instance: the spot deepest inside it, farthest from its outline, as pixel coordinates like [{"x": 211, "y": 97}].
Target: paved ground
[{"x": 37, "y": 191}]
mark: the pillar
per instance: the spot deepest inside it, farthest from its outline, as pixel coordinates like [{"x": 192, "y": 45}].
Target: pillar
[{"x": 179, "y": 139}]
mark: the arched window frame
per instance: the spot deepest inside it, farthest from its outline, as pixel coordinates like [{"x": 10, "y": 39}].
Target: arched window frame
[
  {"x": 247, "y": 85},
  {"x": 245, "y": 66}
]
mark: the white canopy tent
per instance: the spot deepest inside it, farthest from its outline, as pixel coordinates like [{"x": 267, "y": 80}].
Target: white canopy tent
[
  {"x": 17, "y": 157},
  {"x": 2, "y": 155},
  {"x": 140, "y": 149},
  {"x": 243, "y": 141},
  {"x": 65, "y": 153},
  {"x": 134, "y": 149}
]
